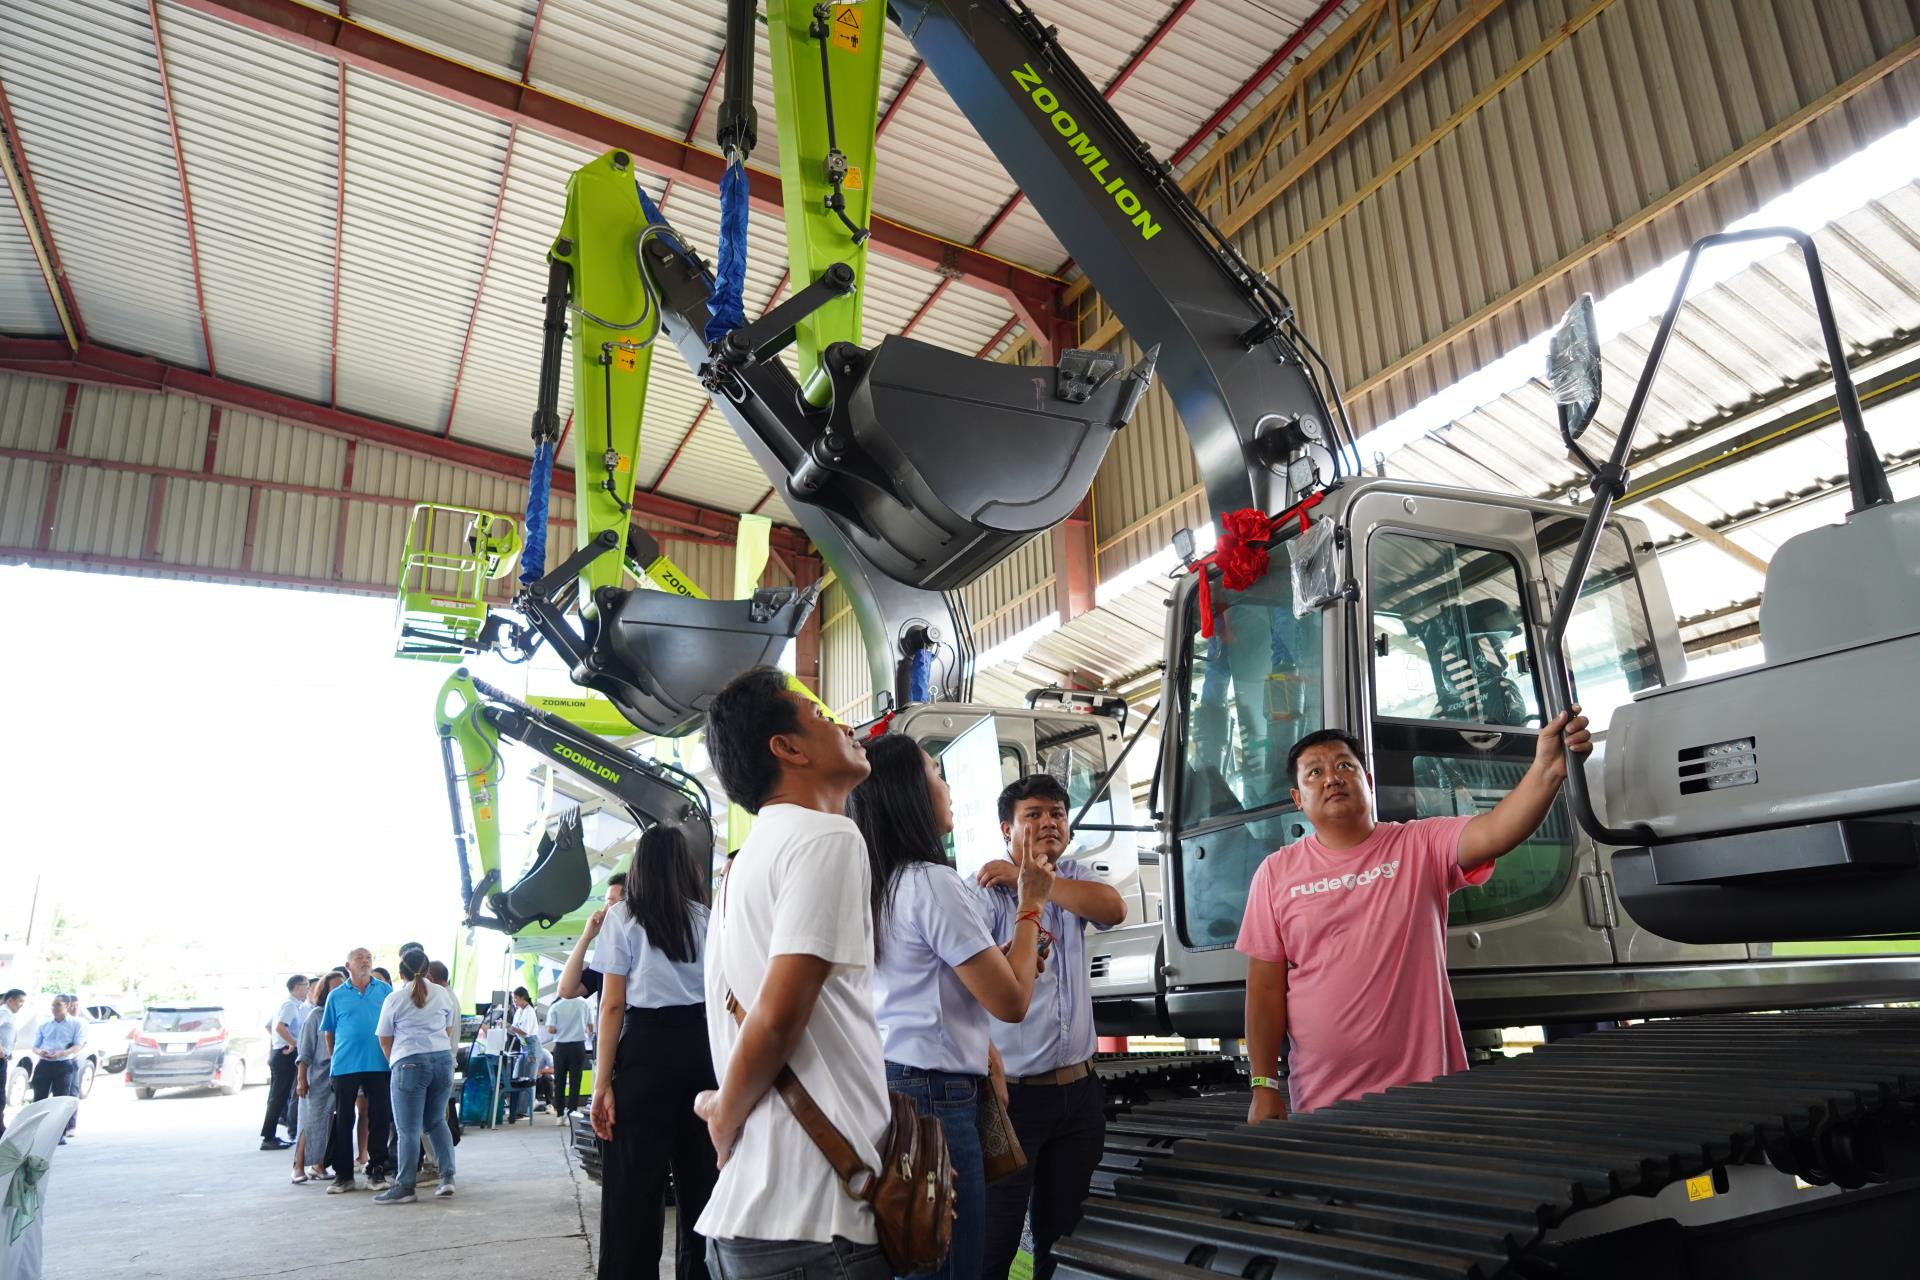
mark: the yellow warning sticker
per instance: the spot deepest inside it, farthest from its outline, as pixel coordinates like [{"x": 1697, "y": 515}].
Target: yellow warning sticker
[
  {"x": 625, "y": 463},
  {"x": 1701, "y": 1187},
  {"x": 626, "y": 359},
  {"x": 846, "y": 27},
  {"x": 852, "y": 182}
]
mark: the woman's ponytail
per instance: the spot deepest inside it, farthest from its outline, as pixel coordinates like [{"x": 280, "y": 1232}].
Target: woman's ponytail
[{"x": 413, "y": 966}]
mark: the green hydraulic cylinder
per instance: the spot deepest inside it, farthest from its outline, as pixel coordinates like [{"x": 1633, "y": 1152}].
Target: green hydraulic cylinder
[{"x": 827, "y": 111}]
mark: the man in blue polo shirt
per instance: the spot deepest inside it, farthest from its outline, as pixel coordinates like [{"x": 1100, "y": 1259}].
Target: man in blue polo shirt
[
  {"x": 359, "y": 1069},
  {"x": 1053, "y": 1097}
]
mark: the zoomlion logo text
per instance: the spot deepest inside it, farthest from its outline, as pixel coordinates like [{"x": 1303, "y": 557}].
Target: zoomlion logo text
[
  {"x": 1067, "y": 127},
  {"x": 566, "y": 752},
  {"x": 1358, "y": 880}
]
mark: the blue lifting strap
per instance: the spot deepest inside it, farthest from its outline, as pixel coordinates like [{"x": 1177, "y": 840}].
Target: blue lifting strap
[
  {"x": 920, "y": 677},
  {"x": 533, "y": 557},
  {"x": 728, "y": 299}
]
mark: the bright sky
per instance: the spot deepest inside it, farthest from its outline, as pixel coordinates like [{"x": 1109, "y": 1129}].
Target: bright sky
[{"x": 245, "y": 764}]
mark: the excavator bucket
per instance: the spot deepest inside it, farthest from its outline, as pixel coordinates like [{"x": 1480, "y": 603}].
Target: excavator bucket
[
  {"x": 662, "y": 657},
  {"x": 556, "y": 884},
  {"x": 954, "y": 462}
]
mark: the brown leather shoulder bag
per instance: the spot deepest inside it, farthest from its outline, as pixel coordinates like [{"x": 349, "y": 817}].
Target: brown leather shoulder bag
[{"x": 911, "y": 1194}]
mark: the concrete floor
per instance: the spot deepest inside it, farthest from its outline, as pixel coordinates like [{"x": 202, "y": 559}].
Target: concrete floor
[{"x": 177, "y": 1187}]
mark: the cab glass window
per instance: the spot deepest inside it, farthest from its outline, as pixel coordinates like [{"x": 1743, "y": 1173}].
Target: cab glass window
[
  {"x": 1449, "y": 634},
  {"x": 1609, "y": 640},
  {"x": 1456, "y": 707},
  {"x": 1250, "y": 692},
  {"x": 1073, "y": 751}
]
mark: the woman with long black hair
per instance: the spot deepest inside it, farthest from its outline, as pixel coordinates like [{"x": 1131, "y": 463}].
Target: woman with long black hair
[
  {"x": 654, "y": 1060},
  {"x": 937, "y": 974}
]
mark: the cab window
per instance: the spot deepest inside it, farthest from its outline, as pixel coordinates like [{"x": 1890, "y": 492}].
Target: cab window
[
  {"x": 1457, "y": 706},
  {"x": 1609, "y": 639},
  {"x": 1248, "y": 693}
]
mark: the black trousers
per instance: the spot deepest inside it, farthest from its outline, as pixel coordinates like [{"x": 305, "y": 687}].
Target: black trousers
[
  {"x": 1062, "y": 1128},
  {"x": 281, "y": 1069},
  {"x": 377, "y": 1088},
  {"x": 661, "y": 1063},
  {"x": 569, "y": 1064},
  {"x": 57, "y": 1079}
]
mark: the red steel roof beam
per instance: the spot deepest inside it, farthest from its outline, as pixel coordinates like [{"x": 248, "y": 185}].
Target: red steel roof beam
[
  {"x": 51, "y": 358},
  {"x": 186, "y": 194},
  {"x": 339, "y": 232}
]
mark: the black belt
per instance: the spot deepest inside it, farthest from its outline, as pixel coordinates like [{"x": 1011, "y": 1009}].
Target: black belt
[{"x": 669, "y": 1015}]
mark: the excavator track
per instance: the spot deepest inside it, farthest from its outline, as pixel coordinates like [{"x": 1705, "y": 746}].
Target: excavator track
[{"x": 1465, "y": 1176}]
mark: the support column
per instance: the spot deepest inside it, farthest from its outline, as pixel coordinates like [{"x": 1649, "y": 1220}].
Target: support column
[{"x": 1074, "y": 562}]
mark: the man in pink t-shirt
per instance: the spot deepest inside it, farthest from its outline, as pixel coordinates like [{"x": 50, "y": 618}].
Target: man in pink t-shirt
[{"x": 1346, "y": 930}]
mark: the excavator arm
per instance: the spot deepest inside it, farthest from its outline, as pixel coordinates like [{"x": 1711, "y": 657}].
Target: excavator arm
[{"x": 473, "y": 718}]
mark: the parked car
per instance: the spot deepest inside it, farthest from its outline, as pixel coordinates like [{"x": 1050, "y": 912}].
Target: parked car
[
  {"x": 109, "y": 1031},
  {"x": 192, "y": 1047},
  {"x": 105, "y": 1045}
]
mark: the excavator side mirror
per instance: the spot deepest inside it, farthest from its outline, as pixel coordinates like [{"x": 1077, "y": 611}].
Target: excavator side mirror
[{"x": 1573, "y": 369}]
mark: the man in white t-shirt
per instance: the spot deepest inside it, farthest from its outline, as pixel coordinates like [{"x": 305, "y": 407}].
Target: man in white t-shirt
[{"x": 792, "y": 939}]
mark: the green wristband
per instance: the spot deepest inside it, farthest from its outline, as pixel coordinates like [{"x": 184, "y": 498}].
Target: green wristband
[{"x": 1266, "y": 1082}]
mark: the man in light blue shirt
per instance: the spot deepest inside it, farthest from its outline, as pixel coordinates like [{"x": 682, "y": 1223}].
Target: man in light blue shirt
[
  {"x": 56, "y": 1051},
  {"x": 1053, "y": 1097},
  {"x": 283, "y": 1047},
  {"x": 350, "y": 1023},
  {"x": 567, "y": 1020}
]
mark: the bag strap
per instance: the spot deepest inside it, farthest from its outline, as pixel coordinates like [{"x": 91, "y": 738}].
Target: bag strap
[{"x": 833, "y": 1144}]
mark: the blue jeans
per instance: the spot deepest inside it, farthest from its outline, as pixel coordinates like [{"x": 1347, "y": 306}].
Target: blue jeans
[
  {"x": 421, "y": 1083},
  {"x": 954, "y": 1100},
  {"x": 744, "y": 1259}
]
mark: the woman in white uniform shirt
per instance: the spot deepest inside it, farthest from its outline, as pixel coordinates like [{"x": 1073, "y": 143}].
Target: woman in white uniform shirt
[
  {"x": 937, "y": 973},
  {"x": 653, "y": 1061},
  {"x": 413, "y": 1034}
]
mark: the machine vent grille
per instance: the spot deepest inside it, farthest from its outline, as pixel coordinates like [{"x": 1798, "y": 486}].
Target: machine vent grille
[
  {"x": 1099, "y": 967},
  {"x": 1717, "y": 766}
]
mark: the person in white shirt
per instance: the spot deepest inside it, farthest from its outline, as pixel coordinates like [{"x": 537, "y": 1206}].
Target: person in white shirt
[
  {"x": 10, "y": 1005},
  {"x": 792, "y": 942},
  {"x": 937, "y": 974},
  {"x": 524, "y": 1025},
  {"x": 281, "y": 1059},
  {"x": 413, "y": 1034},
  {"x": 654, "y": 1060},
  {"x": 581, "y": 976},
  {"x": 567, "y": 1024}
]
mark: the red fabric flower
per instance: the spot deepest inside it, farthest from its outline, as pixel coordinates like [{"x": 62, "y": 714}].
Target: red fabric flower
[
  {"x": 1241, "y": 554},
  {"x": 1242, "y": 551}
]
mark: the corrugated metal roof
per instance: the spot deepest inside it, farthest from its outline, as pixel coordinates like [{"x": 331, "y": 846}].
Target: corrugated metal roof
[
  {"x": 84, "y": 85},
  {"x": 499, "y": 386},
  {"x": 25, "y": 305},
  {"x": 422, "y": 179},
  {"x": 484, "y": 33},
  {"x": 259, "y": 123}
]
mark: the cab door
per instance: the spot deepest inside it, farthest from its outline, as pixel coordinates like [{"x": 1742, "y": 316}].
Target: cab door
[{"x": 1451, "y": 599}]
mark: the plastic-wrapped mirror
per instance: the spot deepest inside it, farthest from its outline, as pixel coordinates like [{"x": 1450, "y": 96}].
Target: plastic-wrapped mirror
[{"x": 1573, "y": 368}]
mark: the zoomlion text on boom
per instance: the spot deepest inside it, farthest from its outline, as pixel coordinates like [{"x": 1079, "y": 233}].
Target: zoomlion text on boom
[{"x": 1067, "y": 127}]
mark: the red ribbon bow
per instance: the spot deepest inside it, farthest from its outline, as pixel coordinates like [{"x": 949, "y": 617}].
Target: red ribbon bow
[{"x": 1241, "y": 551}]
